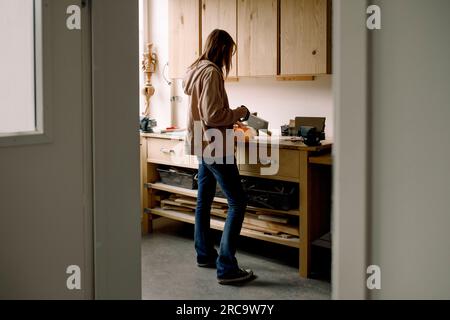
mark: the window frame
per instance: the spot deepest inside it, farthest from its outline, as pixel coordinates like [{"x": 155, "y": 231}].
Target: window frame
[{"x": 42, "y": 133}]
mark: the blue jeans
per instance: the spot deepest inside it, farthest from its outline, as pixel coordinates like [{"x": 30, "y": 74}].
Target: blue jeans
[{"x": 227, "y": 175}]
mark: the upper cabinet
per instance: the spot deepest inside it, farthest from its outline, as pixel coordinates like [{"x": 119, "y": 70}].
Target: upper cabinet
[
  {"x": 305, "y": 46},
  {"x": 220, "y": 14},
  {"x": 257, "y": 37},
  {"x": 290, "y": 39},
  {"x": 184, "y": 36}
]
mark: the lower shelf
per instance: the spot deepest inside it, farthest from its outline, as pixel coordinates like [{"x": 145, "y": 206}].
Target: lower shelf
[
  {"x": 193, "y": 193},
  {"x": 218, "y": 224}
]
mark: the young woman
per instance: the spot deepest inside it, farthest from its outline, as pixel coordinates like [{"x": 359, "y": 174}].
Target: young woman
[{"x": 210, "y": 115}]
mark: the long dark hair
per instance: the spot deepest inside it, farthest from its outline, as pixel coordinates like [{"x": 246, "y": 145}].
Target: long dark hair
[{"x": 219, "y": 49}]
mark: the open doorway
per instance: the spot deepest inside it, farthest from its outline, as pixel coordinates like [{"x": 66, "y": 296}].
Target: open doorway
[{"x": 286, "y": 235}]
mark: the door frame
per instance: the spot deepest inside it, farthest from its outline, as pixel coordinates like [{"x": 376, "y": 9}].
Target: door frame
[
  {"x": 350, "y": 214},
  {"x": 116, "y": 149},
  {"x": 115, "y": 99}
]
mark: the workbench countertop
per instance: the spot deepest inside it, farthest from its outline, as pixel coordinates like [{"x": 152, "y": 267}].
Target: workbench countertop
[{"x": 284, "y": 142}]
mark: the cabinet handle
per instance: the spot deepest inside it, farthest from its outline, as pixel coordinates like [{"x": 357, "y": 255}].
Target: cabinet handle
[
  {"x": 167, "y": 151},
  {"x": 266, "y": 162}
]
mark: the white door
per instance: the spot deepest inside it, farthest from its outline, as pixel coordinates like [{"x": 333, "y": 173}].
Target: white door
[
  {"x": 69, "y": 150},
  {"x": 45, "y": 153}
]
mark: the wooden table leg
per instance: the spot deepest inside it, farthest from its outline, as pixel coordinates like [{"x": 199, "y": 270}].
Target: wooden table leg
[
  {"x": 305, "y": 187},
  {"x": 146, "y": 225}
]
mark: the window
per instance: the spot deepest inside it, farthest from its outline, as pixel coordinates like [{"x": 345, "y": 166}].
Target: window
[{"x": 20, "y": 65}]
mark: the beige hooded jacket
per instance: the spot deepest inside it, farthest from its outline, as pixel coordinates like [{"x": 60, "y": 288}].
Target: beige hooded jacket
[{"x": 208, "y": 109}]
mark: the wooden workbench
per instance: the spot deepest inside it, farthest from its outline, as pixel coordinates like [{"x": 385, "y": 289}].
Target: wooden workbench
[{"x": 298, "y": 163}]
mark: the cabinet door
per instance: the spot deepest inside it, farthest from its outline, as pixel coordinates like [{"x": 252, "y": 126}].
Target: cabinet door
[
  {"x": 220, "y": 14},
  {"x": 304, "y": 43},
  {"x": 257, "y": 37},
  {"x": 184, "y": 35}
]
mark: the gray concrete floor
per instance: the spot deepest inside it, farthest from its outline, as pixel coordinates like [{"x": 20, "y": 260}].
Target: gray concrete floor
[{"x": 169, "y": 270}]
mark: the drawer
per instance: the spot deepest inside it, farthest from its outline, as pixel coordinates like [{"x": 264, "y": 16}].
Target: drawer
[
  {"x": 286, "y": 166},
  {"x": 168, "y": 152}
]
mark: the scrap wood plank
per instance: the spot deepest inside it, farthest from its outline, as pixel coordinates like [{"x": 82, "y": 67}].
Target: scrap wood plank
[
  {"x": 260, "y": 229},
  {"x": 272, "y": 218},
  {"x": 219, "y": 213},
  {"x": 193, "y": 201},
  {"x": 177, "y": 204},
  {"x": 250, "y": 219},
  {"x": 272, "y": 211},
  {"x": 293, "y": 230},
  {"x": 287, "y": 236},
  {"x": 181, "y": 209}
]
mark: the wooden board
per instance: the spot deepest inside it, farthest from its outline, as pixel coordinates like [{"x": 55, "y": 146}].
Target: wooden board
[
  {"x": 180, "y": 191},
  {"x": 273, "y": 218},
  {"x": 292, "y": 230},
  {"x": 174, "y": 203},
  {"x": 304, "y": 47},
  {"x": 184, "y": 36},
  {"x": 193, "y": 202},
  {"x": 220, "y": 14},
  {"x": 218, "y": 224},
  {"x": 181, "y": 209},
  {"x": 326, "y": 160},
  {"x": 257, "y": 37},
  {"x": 251, "y": 220},
  {"x": 296, "y": 78}
]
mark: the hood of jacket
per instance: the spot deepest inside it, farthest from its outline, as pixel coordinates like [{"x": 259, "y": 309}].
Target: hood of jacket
[{"x": 194, "y": 74}]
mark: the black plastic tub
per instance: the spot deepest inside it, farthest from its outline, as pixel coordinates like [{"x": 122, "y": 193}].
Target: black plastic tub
[
  {"x": 182, "y": 178},
  {"x": 271, "y": 194}
]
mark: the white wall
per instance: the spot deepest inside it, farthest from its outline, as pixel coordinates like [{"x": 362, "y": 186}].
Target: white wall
[
  {"x": 278, "y": 102},
  {"x": 158, "y": 34},
  {"x": 275, "y": 101},
  {"x": 411, "y": 150}
]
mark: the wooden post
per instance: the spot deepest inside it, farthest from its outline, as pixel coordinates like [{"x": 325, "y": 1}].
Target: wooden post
[
  {"x": 145, "y": 221},
  {"x": 148, "y": 67},
  {"x": 305, "y": 211}
]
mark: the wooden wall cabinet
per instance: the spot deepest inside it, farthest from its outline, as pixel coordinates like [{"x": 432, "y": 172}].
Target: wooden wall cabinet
[
  {"x": 220, "y": 14},
  {"x": 305, "y": 42},
  {"x": 184, "y": 36},
  {"x": 284, "y": 38},
  {"x": 257, "y": 37}
]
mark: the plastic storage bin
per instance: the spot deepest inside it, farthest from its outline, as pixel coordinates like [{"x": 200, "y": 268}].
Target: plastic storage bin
[
  {"x": 271, "y": 194},
  {"x": 182, "y": 178}
]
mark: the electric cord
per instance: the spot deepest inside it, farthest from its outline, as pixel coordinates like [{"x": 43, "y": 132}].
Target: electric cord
[{"x": 169, "y": 83}]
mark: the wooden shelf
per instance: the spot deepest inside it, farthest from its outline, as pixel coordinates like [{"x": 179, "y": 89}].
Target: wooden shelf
[
  {"x": 181, "y": 191},
  {"x": 326, "y": 160},
  {"x": 218, "y": 224},
  {"x": 193, "y": 193},
  {"x": 296, "y": 78}
]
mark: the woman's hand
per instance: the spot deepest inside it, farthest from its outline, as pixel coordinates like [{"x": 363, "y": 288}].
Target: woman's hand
[
  {"x": 244, "y": 113},
  {"x": 248, "y": 132},
  {"x": 240, "y": 125}
]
